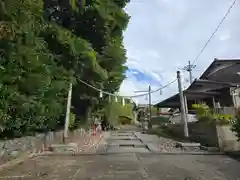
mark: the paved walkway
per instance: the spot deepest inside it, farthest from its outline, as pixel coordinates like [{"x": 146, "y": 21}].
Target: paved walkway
[{"x": 127, "y": 157}]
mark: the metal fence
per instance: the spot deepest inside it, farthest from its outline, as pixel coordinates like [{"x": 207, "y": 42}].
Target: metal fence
[{"x": 225, "y": 110}]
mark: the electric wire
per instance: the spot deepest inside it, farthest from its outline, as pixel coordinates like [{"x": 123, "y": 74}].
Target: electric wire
[{"x": 134, "y": 96}]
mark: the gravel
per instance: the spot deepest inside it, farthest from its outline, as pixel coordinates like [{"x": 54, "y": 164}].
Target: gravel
[{"x": 169, "y": 145}]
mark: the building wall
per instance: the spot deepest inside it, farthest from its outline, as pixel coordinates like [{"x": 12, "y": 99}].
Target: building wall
[
  {"x": 225, "y": 98},
  {"x": 236, "y": 96}
]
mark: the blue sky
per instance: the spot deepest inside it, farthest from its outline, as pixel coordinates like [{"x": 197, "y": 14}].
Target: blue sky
[{"x": 164, "y": 35}]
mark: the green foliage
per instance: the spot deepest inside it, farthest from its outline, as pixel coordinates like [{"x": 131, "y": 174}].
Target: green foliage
[
  {"x": 44, "y": 44},
  {"x": 205, "y": 114},
  {"x": 223, "y": 118},
  {"x": 32, "y": 86},
  {"x": 101, "y": 24},
  {"x": 126, "y": 111},
  {"x": 236, "y": 125},
  {"x": 124, "y": 120},
  {"x": 203, "y": 110},
  {"x": 72, "y": 119},
  {"x": 114, "y": 110}
]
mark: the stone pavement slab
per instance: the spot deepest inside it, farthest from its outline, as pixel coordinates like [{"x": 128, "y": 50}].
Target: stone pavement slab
[
  {"x": 123, "y": 137},
  {"x": 119, "y": 133},
  {"x": 124, "y": 142},
  {"x": 196, "y": 167},
  {"x": 126, "y": 167},
  {"x": 77, "y": 167},
  {"x": 146, "y": 137},
  {"x": 117, "y": 149}
]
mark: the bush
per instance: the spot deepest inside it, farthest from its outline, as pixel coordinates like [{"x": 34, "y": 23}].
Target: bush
[
  {"x": 223, "y": 118},
  {"x": 205, "y": 114},
  {"x": 236, "y": 125},
  {"x": 125, "y": 120},
  {"x": 72, "y": 123},
  {"x": 114, "y": 110}
]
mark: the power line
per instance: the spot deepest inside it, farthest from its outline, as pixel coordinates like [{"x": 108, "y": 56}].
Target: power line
[
  {"x": 140, "y": 95},
  {"x": 162, "y": 87},
  {"x": 209, "y": 40}
]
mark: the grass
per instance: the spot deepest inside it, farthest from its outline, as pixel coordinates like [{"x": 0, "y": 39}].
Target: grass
[
  {"x": 166, "y": 132},
  {"x": 159, "y": 120}
]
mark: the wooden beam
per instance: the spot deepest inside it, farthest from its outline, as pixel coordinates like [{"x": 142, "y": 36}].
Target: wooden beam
[{"x": 201, "y": 93}]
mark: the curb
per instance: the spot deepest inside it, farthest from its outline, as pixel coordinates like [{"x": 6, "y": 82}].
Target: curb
[
  {"x": 184, "y": 153},
  {"x": 109, "y": 153},
  {"x": 122, "y": 153},
  {"x": 210, "y": 149}
]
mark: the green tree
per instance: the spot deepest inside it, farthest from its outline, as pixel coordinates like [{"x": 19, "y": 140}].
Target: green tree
[
  {"x": 101, "y": 23},
  {"x": 32, "y": 86},
  {"x": 45, "y": 45}
]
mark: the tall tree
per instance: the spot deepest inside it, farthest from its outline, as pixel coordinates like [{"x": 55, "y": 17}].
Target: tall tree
[
  {"x": 32, "y": 87},
  {"x": 45, "y": 45},
  {"x": 101, "y": 23}
]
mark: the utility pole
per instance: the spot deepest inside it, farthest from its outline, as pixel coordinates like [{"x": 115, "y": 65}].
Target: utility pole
[
  {"x": 150, "y": 108},
  {"x": 182, "y": 102},
  {"x": 189, "y": 68},
  {"x": 66, "y": 125}
]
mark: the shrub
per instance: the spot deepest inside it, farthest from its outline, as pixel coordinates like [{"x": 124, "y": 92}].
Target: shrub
[
  {"x": 236, "y": 125},
  {"x": 125, "y": 120},
  {"x": 223, "y": 118},
  {"x": 114, "y": 110},
  {"x": 205, "y": 114},
  {"x": 72, "y": 123}
]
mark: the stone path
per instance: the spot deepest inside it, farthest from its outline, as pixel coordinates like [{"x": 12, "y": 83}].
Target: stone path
[
  {"x": 126, "y": 156},
  {"x": 133, "y": 141}
]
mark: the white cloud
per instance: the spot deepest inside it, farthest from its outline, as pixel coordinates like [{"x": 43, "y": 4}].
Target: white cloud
[
  {"x": 164, "y": 35},
  {"x": 225, "y": 37}
]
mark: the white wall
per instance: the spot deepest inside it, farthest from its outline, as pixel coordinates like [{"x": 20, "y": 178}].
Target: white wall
[{"x": 236, "y": 96}]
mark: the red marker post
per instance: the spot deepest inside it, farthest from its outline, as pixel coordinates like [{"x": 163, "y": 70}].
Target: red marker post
[{"x": 94, "y": 130}]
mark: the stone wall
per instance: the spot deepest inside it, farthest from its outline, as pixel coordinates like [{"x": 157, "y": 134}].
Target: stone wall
[
  {"x": 204, "y": 133},
  {"x": 12, "y": 149},
  {"x": 210, "y": 135}
]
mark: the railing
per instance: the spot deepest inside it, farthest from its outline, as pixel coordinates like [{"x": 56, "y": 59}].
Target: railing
[{"x": 225, "y": 110}]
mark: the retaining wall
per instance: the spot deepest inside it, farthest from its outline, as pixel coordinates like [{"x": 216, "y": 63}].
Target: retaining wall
[
  {"x": 206, "y": 134},
  {"x": 209, "y": 134},
  {"x": 12, "y": 149}
]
